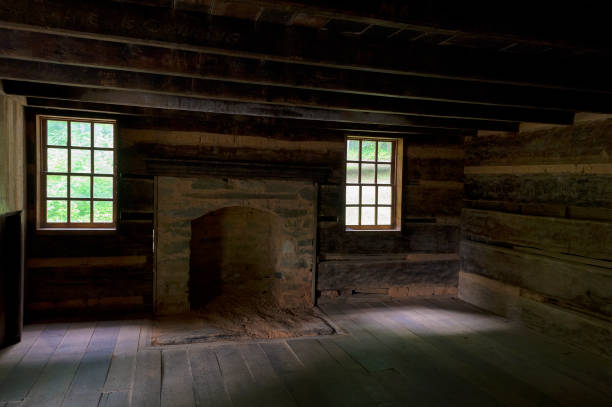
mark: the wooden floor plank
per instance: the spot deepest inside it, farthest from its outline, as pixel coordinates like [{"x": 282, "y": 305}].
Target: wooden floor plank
[
  {"x": 556, "y": 385},
  {"x": 50, "y": 388},
  {"x": 331, "y": 376},
  {"x": 236, "y": 376},
  {"x": 121, "y": 371},
  {"x": 589, "y": 369},
  {"x": 146, "y": 391},
  {"x": 507, "y": 389},
  {"x": 271, "y": 391},
  {"x": 12, "y": 355},
  {"x": 366, "y": 381},
  {"x": 299, "y": 380},
  {"x": 424, "y": 368},
  {"x": 177, "y": 384},
  {"x": 119, "y": 398},
  {"x": 86, "y": 388},
  {"x": 146, "y": 330},
  {"x": 207, "y": 380},
  {"x": 22, "y": 377}
]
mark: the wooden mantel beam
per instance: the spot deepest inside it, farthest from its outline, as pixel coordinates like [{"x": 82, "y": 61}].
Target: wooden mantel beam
[
  {"x": 162, "y": 101},
  {"x": 189, "y": 31},
  {"x": 219, "y": 90}
]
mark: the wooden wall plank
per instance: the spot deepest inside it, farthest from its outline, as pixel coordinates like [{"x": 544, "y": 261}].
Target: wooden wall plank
[
  {"x": 338, "y": 275},
  {"x": 582, "y": 238}
]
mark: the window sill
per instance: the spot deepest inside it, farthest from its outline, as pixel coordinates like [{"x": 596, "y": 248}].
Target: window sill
[
  {"x": 76, "y": 231},
  {"x": 372, "y": 230}
]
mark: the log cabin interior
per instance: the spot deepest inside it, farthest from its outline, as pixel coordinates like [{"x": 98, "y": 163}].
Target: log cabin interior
[{"x": 305, "y": 203}]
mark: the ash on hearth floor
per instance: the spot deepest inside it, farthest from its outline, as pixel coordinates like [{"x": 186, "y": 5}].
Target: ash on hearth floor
[{"x": 214, "y": 323}]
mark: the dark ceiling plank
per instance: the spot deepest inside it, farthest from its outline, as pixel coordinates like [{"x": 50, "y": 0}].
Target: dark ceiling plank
[
  {"x": 150, "y": 118},
  {"x": 35, "y": 46},
  {"x": 520, "y": 20},
  {"x": 186, "y": 30},
  {"x": 218, "y": 90},
  {"x": 142, "y": 99}
]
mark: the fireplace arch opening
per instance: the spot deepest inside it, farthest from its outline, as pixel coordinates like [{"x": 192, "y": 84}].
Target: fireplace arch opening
[{"x": 236, "y": 254}]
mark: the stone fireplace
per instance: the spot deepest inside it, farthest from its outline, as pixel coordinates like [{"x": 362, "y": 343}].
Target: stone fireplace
[{"x": 219, "y": 236}]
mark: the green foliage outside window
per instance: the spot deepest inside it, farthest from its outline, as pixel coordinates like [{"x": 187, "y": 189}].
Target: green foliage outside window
[{"x": 79, "y": 172}]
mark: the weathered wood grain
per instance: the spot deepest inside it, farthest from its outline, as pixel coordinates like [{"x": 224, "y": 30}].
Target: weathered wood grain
[
  {"x": 583, "y": 143},
  {"x": 579, "y": 329},
  {"x": 588, "y": 190},
  {"x": 570, "y": 284},
  {"x": 382, "y": 273},
  {"x": 583, "y": 238},
  {"x": 146, "y": 391},
  {"x": 177, "y": 383}
]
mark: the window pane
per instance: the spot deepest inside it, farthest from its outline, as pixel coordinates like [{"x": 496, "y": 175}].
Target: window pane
[
  {"x": 352, "y": 215},
  {"x": 57, "y": 160},
  {"x": 57, "y": 133},
  {"x": 352, "y": 195},
  {"x": 384, "y": 195},
  {"x": 80, "y": 161},
  {"x": 367, "y": 173},
  {"x": 384, "y": 215},
  {"x": 352, "y": 173},
  {"x": 57, "y": 186},
  {"x": 57, "y": 211},
  {"x": 368, "y": 195},
  {"x": 367, "y": 215},
  {"x": 103, "y": 212},
  {"x": 80, "y": 211},
  {"x": 384, "y": 174},
  {"x": 103, "y": 187},
  {"x": 80, "y": 187},
  {"x": 103, "y": 135},
  {"x": 103, "y": 162},
  {"x": 384, "y": 151},
  {"x": 352, "y": 150},
  {"x": 80, "y": 134},
  {"x": 368, "y": 150}
]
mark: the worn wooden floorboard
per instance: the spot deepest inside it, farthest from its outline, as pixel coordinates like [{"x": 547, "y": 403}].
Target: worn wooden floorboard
[
  {"x": 146, "y": 389},
  {"x": 299, "y": 379},
  {"x": 119, "y": 398},
  {"x": 329, "y": 374},
  {"x": 506, "y": 389},
  {"x": 86, "y": 387},
  {"x": 16, "y": 385},
  {"x": 207, "y": 379},
  {"x": 12, "y": 355},
  {"x": 177, "y": 383},
  {"x": 416, "y": 352},
  {"x": 590, "y": 369},
  {"x": 270, "y": 389},
  {"x": 556, "y": 385},
  {"x": 423, "y": 363},
  {"x": 119, "y": 377},
  {"x": 52, "y": 384}
]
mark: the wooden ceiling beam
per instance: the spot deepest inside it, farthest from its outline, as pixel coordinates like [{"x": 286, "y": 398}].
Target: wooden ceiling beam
[
  {"x": 171, "y": 102},
  {"x": 520, "y": 21},
  {"x": 146, "y": 118},
  {"x": 220, "y": 90},
  {"x": 188, "y": 31}
]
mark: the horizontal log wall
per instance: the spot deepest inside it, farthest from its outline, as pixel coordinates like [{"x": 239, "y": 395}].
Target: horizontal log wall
[
  {"x": 421, "y": 259},
  {"x": 69, "y": 271},
  {"x": 537, "y": 230}
]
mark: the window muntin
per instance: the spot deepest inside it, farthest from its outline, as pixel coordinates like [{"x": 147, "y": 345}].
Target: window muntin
[
  {"x": 371, "y": 191},
  {"x": 77, "y": 173}
]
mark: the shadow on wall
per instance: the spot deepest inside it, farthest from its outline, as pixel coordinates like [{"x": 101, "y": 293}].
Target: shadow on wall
[{"x": 235, "y": 252}]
